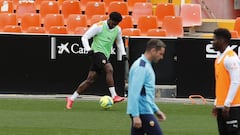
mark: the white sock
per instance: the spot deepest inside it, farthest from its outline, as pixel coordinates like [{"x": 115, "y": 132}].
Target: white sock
[
  {"x": 74, "y": 96},
  {"x": 112, "y": 91}
]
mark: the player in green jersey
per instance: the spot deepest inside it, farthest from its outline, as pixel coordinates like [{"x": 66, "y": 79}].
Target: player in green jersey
[{"x": 104, "y": 34}]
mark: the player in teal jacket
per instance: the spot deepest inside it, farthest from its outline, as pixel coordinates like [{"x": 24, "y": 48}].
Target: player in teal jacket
[{"x": 141, "y": 91}]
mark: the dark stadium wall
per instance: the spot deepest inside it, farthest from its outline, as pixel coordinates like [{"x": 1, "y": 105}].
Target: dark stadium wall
[
  {"x": 49, "y": 64},
  {"x": 188, "y": 63},
  {"x": 195, "y": 66},
  {"x": 165, "y": 69},
  {"x": 45, "y": 64}
]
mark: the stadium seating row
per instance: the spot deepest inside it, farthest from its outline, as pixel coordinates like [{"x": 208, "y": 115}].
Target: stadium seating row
[
  {"x": 29, "y": 16},
  {"x": 30, "y": 20},
  {"x": 14, "y": 3},
  {"x": 93, "y": 8},
  {"x": 141, "y": 15},
  {"x": 76, "y": 23}
]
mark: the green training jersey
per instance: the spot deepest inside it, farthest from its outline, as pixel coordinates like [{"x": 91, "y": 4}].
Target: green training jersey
[{"x": 103, "y": 41}]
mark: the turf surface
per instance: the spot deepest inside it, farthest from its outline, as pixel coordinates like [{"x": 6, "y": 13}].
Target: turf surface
[{"x": 49, "y": 117}]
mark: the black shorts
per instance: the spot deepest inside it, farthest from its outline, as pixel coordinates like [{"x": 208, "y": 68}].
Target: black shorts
[
  {"x": 150, "y": 126},
  {"x": 99, "y": 60},
  {"x": 231, "y": 125}
]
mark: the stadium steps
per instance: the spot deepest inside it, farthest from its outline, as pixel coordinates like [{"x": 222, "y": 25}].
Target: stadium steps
[{"x": 208, "y": 25}]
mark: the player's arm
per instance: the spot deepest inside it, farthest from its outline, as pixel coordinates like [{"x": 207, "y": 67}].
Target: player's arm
[
  {"x": 232, "y": 65},
  {"x": 136, "y": 81},
  {"x": 214, "y": 110},
  {"x": 161, "y": 116},
  {"x": 120, "y": 45},
  {"x": 91, "y": 32},
  {"x": 155, "y": 107},
  {"x": 215, "y": 102}
]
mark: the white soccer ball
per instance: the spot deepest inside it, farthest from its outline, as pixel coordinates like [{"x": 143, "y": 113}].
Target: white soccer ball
[{"x": 106, "y": 102}]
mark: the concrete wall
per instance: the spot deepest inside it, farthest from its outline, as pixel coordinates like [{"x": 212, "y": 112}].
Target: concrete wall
[{"x": 222, "y": 9}]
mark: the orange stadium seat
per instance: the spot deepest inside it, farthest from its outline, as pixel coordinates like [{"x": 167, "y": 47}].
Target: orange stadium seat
[
  {"x": 15, "y": 3},
  {"x": 107, "y": 3},
  {"x": 60, "y": 2},
  {"x": 191, "y": 15},
  {"x": 80, "y": 30},
  {"x": 147, "y": 22},
  {"x": 163, "y": 10},
  {"x": 94, "y": 8},
  {"x": 126, "y": 22},
  {"x": 120, "y": 7},
  {"x": 131, "y": 32},
  {"x": 12, "y": 28},
  {"x": 131, "y": 3},
  {"x": 237, "y": 25},
  {"x": 6, "y": 6},
  {"x": 25, "y": 7},
  {"x": 58, "y": 30},
  {"x": 7, "y": 19},
  {"x": 234, "y": 34},
  {"x": 97, "y": 18},
  {"x": 48, "y": 7},
  {"x": 35, "y": 29},
  {"x": 141, "y": 9},
  {"x": 157, "y": 32},
  {"x": 84, "y": 3},
  {"x": 173, "y": 26},
  {"x": 74, "y": 21},
  {"x": 38, "y": 3},
  {"x": 71, "y": 7},
  {"x": 30, "y": 19},
  {"x": 53, "y": 20}
]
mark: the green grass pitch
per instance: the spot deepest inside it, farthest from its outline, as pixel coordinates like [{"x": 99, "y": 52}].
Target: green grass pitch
[{"x": 49, "y": 117}]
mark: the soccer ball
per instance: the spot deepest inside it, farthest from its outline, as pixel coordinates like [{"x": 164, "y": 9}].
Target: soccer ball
[{"x": 106, "y": 102}]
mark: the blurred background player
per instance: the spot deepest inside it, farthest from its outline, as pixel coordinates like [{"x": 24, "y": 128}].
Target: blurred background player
[
  {"x": 227, "y": 91},
  {"x": 104, "y": 34},
  {"x": 141, "y": 91}
]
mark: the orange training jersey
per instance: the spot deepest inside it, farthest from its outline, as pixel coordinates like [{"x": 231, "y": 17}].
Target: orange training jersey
[{"x": 223, "y": 80}]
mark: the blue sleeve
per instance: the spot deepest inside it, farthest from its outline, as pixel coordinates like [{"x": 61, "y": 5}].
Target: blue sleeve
[
  {"x": 154, "y": 107},
  {"x": 136, "y": 81}
]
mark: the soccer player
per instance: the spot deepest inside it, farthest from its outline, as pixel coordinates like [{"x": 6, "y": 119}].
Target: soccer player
[
  {"x": 104, "y": 34},
  {"x": 227, "y": 91},
  {"x": 141, "y": 91}
]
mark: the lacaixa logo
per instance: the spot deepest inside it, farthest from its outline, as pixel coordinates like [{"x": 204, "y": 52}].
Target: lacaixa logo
[
  {"x": 68, "y": 47},
  {"x": 60, "y": 48}
]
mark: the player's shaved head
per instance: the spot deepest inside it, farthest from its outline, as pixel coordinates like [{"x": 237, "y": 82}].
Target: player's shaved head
[
  {"x": 221, "y": 39},
  {"x": 223, "y": 33},
  {"x": 116, "y": 17}
]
